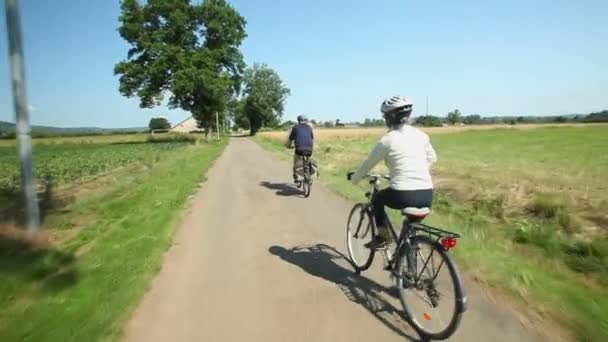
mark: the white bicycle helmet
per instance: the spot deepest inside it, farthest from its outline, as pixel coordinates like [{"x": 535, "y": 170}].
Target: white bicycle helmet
[
  {"x": 396, "y": 104},
  {"x": 396, "y": 110}
]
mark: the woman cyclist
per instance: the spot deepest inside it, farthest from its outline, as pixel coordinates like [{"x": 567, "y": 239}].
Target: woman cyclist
[{"x": 408, "y": 153}]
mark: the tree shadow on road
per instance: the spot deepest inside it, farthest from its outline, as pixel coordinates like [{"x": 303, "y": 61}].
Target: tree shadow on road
[
  {"x": 283, "y": 189},
  {"x": 322, "y": 261}
]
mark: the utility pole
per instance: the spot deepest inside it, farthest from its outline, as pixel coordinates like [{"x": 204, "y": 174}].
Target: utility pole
[
  {"x": 28, "y": 182},
  {"x": 427, "y": 106}
]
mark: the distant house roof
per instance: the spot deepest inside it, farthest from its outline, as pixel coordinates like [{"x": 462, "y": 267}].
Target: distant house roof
[{"x": 188, "y": 125}]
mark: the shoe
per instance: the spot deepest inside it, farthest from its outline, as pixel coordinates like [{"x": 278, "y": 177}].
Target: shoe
[{"x": 377, "y": 243}]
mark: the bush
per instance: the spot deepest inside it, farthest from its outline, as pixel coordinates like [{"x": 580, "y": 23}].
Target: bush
[
  {"x": 553, "y": 207},
  {"x": 429, "y": 121},
  {"x": 494, "y": 206},
  {"x": 588, "y": 256},
  {"x": 541, "y": 236},
  {"x": 186, "y": 138}
]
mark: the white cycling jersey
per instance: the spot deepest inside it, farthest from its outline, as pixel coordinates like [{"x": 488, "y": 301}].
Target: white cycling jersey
[{"x": 408, "y": 153}]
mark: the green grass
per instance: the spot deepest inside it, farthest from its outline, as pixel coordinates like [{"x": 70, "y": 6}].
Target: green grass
[
  {"x": 85, "y": 288},
  {"x": 519, "y": 199}
]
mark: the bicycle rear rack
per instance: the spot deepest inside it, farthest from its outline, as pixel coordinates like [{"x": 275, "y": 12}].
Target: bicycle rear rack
[{"x": 432, "y": 231}]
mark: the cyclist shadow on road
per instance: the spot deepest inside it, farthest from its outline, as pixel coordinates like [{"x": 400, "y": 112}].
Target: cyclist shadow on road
[
  {"x": 323, "y": 261},
  {"x": 283, "y": 189}
]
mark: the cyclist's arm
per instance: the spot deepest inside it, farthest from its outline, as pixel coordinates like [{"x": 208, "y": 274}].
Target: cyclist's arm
[
  {"x": 431, "y": 156},
  {"x": 292, "y": 136},
  {"x": 377, "y": 154}
]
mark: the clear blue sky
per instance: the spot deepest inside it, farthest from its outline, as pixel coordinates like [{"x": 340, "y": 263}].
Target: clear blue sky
[{"x": 340, "y": 58}]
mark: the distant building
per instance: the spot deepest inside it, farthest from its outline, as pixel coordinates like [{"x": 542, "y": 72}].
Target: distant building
[{"x": 186, "y": 126}]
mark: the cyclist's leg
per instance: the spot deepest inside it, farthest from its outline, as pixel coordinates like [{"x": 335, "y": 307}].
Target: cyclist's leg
[
  {"x": 395, "y": 199},
  {"x": 380, "y": 199},
  {"x": 296, "y": 157}
]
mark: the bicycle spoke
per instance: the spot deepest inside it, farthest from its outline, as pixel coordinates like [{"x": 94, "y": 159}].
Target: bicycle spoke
[
  {"x": 438, "y": 269},
  {"x": 425, "y": 264}
]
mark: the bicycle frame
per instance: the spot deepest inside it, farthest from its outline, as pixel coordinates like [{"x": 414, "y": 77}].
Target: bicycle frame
[
  {"x": 408, "y": 229},
  {"x": 305, "y": 166}
]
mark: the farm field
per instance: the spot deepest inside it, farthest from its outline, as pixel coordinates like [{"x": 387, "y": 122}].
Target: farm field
[
  {"x": 61, "y": 162},
  {"x": 104, "y": 138},
  {"x": 530, "y": 201},
  {"x": 108, "y": 192}
]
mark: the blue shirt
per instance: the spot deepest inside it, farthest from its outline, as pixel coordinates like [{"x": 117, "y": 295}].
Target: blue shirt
[{"x": 302, "y": 136}]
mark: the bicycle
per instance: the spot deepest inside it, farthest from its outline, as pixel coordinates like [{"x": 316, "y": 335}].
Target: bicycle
[
  {"x": 408, "y": 266},
  {"x": 305, "y": 184}
]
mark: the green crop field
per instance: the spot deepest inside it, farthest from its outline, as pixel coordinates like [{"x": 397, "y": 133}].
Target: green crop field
[
  {"x": 531, "y": 204},
  {"x": 62, "y": 163},
  {"x": 80, "y": 278}
]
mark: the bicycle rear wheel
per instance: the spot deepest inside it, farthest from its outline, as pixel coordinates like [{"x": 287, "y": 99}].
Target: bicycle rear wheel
[
  {"x": 433, "y": 298},
  {"x": 359, "y": 230}
]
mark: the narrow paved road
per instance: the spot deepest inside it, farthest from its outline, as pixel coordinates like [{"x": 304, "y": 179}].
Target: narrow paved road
[{"x": 251, "y": 262}]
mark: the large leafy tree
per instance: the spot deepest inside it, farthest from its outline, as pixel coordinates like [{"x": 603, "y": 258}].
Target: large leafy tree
[
  {"x": 454, "y": 117},
  {"x": 265, "y": 97},
  {"x": 183, "y": 51}
]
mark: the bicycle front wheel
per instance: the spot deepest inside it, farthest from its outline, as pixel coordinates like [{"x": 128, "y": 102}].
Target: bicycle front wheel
[
  {"x": 430, "y": 288},
  {"x": 306, "y": 187},
  {"x": 359, "y": 230}
]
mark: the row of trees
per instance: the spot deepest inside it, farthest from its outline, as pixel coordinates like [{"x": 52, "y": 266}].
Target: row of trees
[
  {"x": 188, "y": 55},
  {"x": 456, "y": 117}
]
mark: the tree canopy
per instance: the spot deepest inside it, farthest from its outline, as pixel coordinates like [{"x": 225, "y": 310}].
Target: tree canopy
[
  {"x": 454, "y": 117},
  {"x": 429, "y": 121},
  {"x": 186, "y": 52},
  {"x": 265, "y": 95},
  {"x": 159, "y": 123}
]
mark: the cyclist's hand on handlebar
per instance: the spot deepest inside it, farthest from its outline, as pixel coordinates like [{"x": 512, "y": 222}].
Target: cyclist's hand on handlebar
[{"x": 349, "y": 175}]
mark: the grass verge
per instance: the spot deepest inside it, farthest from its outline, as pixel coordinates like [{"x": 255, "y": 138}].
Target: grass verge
[
  {"x": 491, "y": 252},
  {"x": 84, "y": 288}
]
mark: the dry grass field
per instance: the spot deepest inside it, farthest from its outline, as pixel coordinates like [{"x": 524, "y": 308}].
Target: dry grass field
[{"x": 530, "y": 200}]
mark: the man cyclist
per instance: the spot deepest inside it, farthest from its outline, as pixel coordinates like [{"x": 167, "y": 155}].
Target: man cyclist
[
  {"x": 408, "y": 153},
  {"x": 301, "y": 135}
]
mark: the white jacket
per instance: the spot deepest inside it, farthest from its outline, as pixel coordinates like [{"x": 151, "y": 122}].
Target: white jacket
[{"x": 408, "y": 153}]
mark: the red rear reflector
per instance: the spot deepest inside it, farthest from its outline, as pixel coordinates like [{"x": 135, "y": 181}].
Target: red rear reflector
[{"x": 448, "y": 242}]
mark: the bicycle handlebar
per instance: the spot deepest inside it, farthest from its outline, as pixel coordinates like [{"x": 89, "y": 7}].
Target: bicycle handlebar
[{"x": 376, "y": 176}]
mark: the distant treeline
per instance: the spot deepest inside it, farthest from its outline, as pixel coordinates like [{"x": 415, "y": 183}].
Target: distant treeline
[
  {"x": 476, "y": 119},
  {"x": 7, "y": 131},
  {"x": 456, "y": 118}
]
